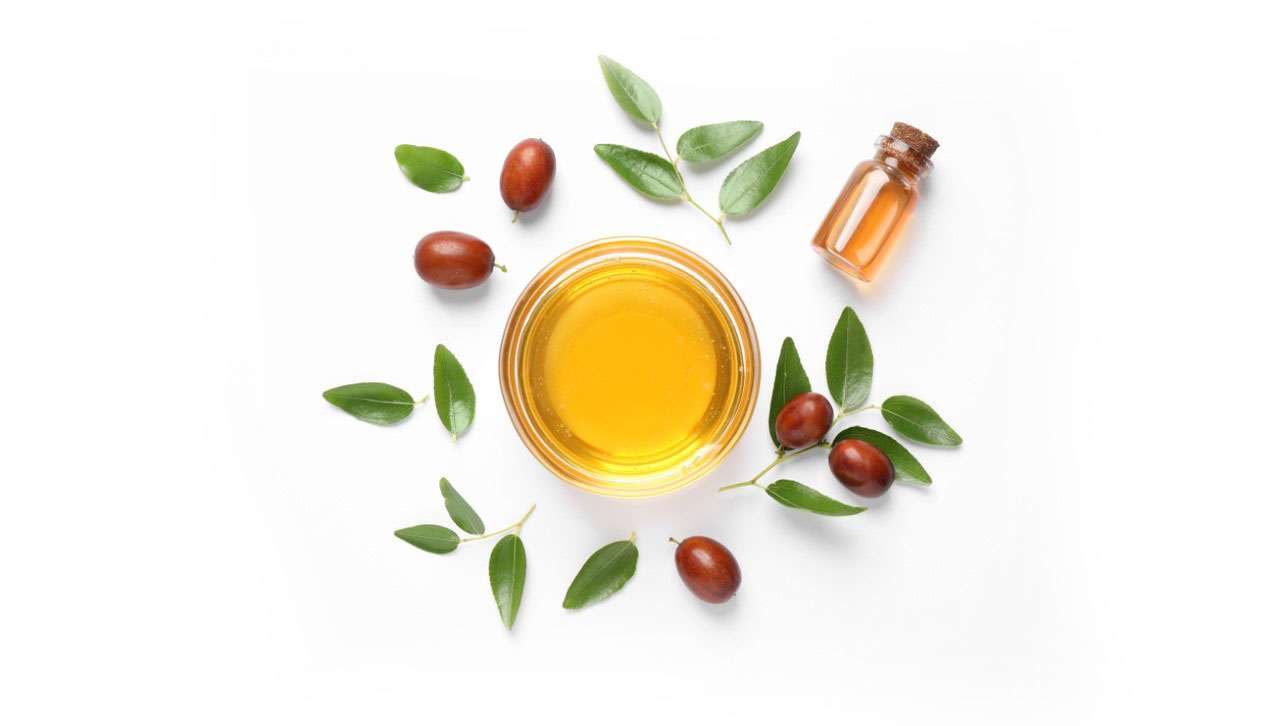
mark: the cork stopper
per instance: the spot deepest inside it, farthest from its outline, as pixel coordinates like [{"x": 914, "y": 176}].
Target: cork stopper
[{"x": 909, "y": 145}]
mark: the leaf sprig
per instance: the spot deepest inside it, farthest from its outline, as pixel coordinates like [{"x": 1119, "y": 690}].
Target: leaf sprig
[
  {"x": 384, "y": 404},
  {"x": 849, "y": 375},
  {"x": 507, "y": 562},
  {"x": 744, "y": 189}
]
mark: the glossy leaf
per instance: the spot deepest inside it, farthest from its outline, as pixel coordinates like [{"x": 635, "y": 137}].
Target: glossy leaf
[
  {"x": 792, "y": 494},
  {"x": 849, "y": 362},
  {"x": 603, "y": 574},
  {"x": 714, "y": 141},
  {"x": 430, "y": 537},
  {"x": 906, "y": 465},
  {"x": 431, "y": 169},
  {"x": 915, "y": 420},
  {"x": 791, "y": 380},
  {"x": 632, "y": 93},
  {"x": 649, "y": 174},
  {"x": 456, "y": 401},
  {"x": 460, "y": 511},
  {"x": 377, "y": 403},
  {"x": 750, "y": 183},
  {"x": 507, "y": 576}
]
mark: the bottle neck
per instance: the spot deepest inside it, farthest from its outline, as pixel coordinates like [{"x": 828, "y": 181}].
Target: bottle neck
[{"x": 901, "y": 157}]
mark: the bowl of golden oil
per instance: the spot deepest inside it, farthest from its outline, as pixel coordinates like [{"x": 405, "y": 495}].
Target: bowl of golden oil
[{"x": 629, "y": 367}]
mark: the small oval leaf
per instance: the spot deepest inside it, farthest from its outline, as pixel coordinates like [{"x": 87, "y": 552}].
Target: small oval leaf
[
  {"x": 431, "y": 169},
  {"x": 430, "y": 537},
  {"x": 714, "y": 141},
  {"x": 906, "y": 465},
  {"x": 791, "y": 380},
  {"x": 507, "y": 576},
  {"x": 792, "y": 494},
  {"x": 603, "y": 574},
  {"x": 915, "y": 420},
  {"x": 649, "y": 174},
  {"x": 377, "y": 403},
  {"x": 460, "y": 511},
  {"x": 849, "y": 362},
  {"x": 456, "y": 401},
  {"x": 749, "y": 184},
  {"x": 632, "y": 93}
]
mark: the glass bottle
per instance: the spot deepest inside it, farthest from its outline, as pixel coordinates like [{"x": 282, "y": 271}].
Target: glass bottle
[{"x": 870, "y": 214}]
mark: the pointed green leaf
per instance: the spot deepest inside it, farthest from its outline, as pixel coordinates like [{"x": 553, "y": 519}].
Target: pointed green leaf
[
  {"x": 431, "y": 169},
  {"x": 430, "y": 537},
  {"x": 915, "y": 420},
  {"x": 906, "y": 465},
  {"x": 456, "y": 401},
  {"x": 632, "y": 93},
  {"x": 791, "y": 380},
  {"x": 377, "y": 403},
  {"x": 714, "y": 141},
  {"x": 849, "y": 362},
  {"x": 460, "y": 511},
  {"x": 603, "y": 574},
  {"x": 750, "y": 183},
  {"x": 793, "y": 494},
  {"x": 507, "y": 576},
  {"x": 650, "y": 174}
]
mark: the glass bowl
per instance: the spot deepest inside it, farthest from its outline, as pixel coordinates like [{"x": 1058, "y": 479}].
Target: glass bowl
[{"x": 629, "y": 367}]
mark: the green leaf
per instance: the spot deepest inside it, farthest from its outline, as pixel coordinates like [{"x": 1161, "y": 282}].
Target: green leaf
[
  {"x": 792, "y": 494},
  {"x": 750, "y": 183},
  {"x": 650, "y": 174},
  {"x": 791, "y": 380},
  {"x": 906, "y": 465},
  {"x": 849, "y": 362},
  {"x": 507, "y": 576},
  {"x": 713, "y": 141},
  {"x": 430, "y": 537},
  {"x": 460, "y": 511},
  {"x": 378, "y": 403},
  {"x": 431, "y": 169},
  {"x": 603, "y": 574},
  {"x": 632, "y": 93},
  {"x": 917, "y": 421},
  {"x": 456, "y": 401}
]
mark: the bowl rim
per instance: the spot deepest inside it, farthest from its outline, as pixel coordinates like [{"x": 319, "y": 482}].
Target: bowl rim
[{"x": 579, "y": 258}]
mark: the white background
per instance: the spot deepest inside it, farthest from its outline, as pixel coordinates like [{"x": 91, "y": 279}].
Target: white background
[{"x": 204, "y": 228}]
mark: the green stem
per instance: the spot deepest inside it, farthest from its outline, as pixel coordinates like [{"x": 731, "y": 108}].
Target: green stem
[
  {"x": 844, "y": 414},
  {"x": 501, "y": 267},
  {"x": 631, "y": 538},
  {"x": 674, "y": 163},
  {"x": 422, "y": 400},
  {"x": 516, "y": 216},
  {"x": 672, "y": 539},
  {"x": 780, "y": 459},
  {"x": 515, "y": 526}
]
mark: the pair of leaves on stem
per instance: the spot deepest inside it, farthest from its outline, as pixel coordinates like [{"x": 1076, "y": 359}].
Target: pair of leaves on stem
[
  {"x": 658, "y": 177},
  {"x": 508, "y": 564},
  {"x": 430, "y": 169},
  {"x": 385, "y": 404}
]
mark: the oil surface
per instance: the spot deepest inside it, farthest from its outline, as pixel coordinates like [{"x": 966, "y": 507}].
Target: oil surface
[
  {"x": 630, "y": 368},
  {"x": 867, "y": 219}
]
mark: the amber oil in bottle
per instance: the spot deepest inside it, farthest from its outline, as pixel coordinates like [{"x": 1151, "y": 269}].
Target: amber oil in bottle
[{"x": 870, "y": 214}]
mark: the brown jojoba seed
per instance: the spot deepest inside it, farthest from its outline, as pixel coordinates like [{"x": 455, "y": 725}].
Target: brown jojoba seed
[
  {"x": 861, "y": 467},
  {"x": 708, "y": 569},
  {"x": 803, "y": 420},
  {"x": 527, "y": 174},
  {"x": 453, "y": 260}
]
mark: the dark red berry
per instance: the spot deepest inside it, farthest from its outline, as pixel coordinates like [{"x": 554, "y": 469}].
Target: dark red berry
[
  {"x": 708, "y": 569},
  {"x": 861, "y": 467},
  {"x": 453, "y": 260},
  {"x": 803, "y": 420}
]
